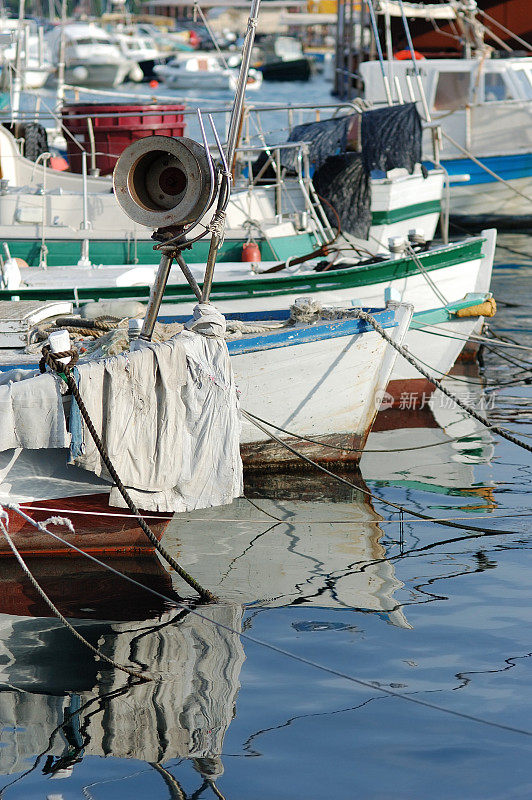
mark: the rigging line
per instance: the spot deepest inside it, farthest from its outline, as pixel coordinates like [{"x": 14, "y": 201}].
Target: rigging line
[
  {"x": 352, "y": 449},
  {"x": 366, "y": 492},
  {"x": 517, "y": 38},
  {"x": 426, "y": 326},
  {"x": 479, "y": 163},
  {"x": 323, "y": 667}
]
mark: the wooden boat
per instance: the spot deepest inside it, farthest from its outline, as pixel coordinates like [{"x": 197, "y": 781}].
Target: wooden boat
[
  {"x": 319, "y": 380},
  {"x": 452, "y": 268}
]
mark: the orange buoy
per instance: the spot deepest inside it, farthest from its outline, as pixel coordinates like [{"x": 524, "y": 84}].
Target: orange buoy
[
  {"x": 154, "y": 84},
  {"x": 59, "y": 163},
  {"x": 250, "y": 252},
  {"x": 405, "y": 55}
]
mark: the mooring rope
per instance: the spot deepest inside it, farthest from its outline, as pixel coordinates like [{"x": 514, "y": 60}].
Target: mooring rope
[
  {"x": 42, "y": 527},
  {"x": 54, "y": 362}
]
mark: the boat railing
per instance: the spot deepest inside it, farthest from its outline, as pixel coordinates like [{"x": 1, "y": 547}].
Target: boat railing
[{"x": 273, "y": 173}]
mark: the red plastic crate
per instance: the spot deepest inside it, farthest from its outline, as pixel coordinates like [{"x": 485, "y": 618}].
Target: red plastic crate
[{"x": 115, "y": 127}]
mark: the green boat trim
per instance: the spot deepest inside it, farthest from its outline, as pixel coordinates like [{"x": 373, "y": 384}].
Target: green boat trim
[
  {"x": 435, "y": 316},
  {"x": 381, "y": 272},
  {"x": 405, "y": 212},
  {"x": 127, "y": 252}
]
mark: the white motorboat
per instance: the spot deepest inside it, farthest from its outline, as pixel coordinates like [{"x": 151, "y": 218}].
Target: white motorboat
[
  {"x": 206, "y": 73},
  {"x": 91, "y": 56}
]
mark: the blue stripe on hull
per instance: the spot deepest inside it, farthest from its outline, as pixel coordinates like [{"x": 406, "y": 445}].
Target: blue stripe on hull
[{"x": 507, "y": 167}]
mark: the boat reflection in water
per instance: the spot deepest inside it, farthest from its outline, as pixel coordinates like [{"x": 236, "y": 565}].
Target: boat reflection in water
[
  {"x": 56, "y": 700},
  {"x": 280, "y": 547},
  {"x": 438, "y": 448}
]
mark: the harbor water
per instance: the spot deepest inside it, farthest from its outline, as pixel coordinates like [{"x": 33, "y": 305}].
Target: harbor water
[{"x": 355, "y": 651}]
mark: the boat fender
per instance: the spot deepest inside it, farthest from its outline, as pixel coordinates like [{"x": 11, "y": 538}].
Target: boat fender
[
  {"x": 11, "y": 277},
  {"x": 118, "y": 309},
  {"x": 406, "y": 55},
  {"x": 136, "y": 74},
  {"x": 250, "y": 252},
  {"x": 486, "y": 309},
  {"x": 60, "y": 343},
  {"x": 58, "y": 163}
]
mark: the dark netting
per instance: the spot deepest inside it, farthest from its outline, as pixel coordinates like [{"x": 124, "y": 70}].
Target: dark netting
[
  {"x": 325, "y": 139},
  {"x": 344, "y": 183},
  {"x": 391, "y": 138}
]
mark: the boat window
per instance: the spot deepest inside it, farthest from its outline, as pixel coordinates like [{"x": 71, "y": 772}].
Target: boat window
[
  {"x": 523, "y": 78},
  {"x": 495, "y": 88},
  {"x": 452, "y": 91}
]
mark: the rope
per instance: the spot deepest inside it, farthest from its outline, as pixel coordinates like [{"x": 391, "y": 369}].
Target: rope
[
  {"x": 53, "y": 361},
  {"x": 353, "y": 449},
  {"x": 314, "y": 664},
  {"x": 411, "y": 360},
  {"x": 484, "y": 167},
  {"x": 42, "y": 527}
]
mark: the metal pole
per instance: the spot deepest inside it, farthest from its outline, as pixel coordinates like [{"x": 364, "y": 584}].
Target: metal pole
[
  {"x": 156, "y": 293},
  {"x": 61, "y": 62},
  {"x": 414, "y": 63},
  {"x": 17, "y": 79},
  {"x": 240, "y": 92},
  {"x": 379, "y": 51},
  {"x": 192, "y": 282},
  {"x": 232, "y": 139}
]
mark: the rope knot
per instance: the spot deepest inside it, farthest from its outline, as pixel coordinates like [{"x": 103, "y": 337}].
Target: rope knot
[{"x": 53, "y": 360}]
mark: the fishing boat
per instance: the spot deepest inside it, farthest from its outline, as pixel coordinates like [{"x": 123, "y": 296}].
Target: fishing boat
[
  {"x": 342, "y": 365},
  {"x": 480, "y": 103},
  {"x": 48, "y": 217}
]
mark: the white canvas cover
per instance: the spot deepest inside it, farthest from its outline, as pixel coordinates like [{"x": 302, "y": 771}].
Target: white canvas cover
[
  {"x": 31, "y": 411},
  {"x": 168, "y": 415}
]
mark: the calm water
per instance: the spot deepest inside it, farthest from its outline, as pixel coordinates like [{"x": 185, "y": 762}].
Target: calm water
[{"x": 317, "y": 570}]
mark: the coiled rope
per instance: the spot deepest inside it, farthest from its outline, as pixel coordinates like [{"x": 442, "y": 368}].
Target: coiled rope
[{"x": 53, "y": 360}]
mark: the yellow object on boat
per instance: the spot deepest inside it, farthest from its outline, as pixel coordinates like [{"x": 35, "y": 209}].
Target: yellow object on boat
[{"x": 486, "y": 309}]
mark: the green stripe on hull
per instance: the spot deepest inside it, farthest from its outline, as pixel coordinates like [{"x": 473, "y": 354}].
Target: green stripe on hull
[
  {"x": 66, "y": 252},
  {"x": 306, "y": 283},
  {"x": 405, "y": 212}
]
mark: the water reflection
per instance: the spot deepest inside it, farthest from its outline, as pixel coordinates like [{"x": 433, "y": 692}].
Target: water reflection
[
  {"x": 438, "y": 448},
  {"x": 280, "y": 547},
  {"x": 59, "y": 706}
]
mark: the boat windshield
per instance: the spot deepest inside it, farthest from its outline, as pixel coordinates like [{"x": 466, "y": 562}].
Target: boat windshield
[
  {"x": 452, "y": 90},
  {"x": 496, "y": 88},
  {"x": 524, "y": 78}
]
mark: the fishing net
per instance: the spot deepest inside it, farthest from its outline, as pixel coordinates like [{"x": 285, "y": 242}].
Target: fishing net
[
  {"x": 391, "y": 138},
  {"x": 325, "y": 138},
  {"x": 344, "y": 183}
]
